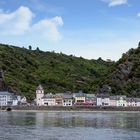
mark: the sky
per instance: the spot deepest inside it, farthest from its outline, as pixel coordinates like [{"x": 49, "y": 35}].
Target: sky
[{"x": 87, "y": 28}]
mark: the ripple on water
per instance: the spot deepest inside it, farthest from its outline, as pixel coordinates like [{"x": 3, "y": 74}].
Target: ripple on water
[{"x": 69, "y": 126}]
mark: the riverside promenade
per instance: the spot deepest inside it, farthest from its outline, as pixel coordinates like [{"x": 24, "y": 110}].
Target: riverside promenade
[{"x": 72, "y": 108}]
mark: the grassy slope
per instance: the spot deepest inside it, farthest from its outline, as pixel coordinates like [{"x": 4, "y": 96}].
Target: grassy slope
[{"x": 25, "y": 69}]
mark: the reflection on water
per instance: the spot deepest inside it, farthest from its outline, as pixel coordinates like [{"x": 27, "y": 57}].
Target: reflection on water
[{"x": 69, "y": 126}]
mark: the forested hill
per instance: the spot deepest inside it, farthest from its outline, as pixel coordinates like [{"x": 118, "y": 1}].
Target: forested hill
[
  {"x": 125, "y": 78},
  {"x": 24, "y": 69}
]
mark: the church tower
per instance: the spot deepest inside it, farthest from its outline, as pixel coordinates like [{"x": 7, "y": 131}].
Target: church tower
[{"x": 39, "y": 95}]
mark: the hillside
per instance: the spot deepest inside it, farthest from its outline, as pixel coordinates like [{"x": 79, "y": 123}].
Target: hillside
[
  {"x": 24, "y": 69},
  {"x": 125, "y": 78}
]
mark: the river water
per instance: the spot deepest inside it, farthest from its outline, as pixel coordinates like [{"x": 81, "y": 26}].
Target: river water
[{"x": 69, "y": 126}]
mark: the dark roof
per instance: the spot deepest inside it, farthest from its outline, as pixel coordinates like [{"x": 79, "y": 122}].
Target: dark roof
[
  {"x": 48, "y": 96},
  {"x": 59, "y": 94},
  {"x": 113, "y": 97},
  {"x": 67, "y": 96},
  {"x": 117, "y": 97},
  {"x": 6, "y": 93},
  {"x": 90, "y": 95},
  {"x": 39, "y": 87},
  {"x": 133, "y": 99},
  {"x": 103, "y": 96},
  {"x": 80, "y": 94}
]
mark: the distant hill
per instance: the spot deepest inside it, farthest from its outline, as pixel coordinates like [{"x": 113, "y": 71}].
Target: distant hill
[
  {"x": 125, "y": 78},
  {"x": 25, "y": 69}
]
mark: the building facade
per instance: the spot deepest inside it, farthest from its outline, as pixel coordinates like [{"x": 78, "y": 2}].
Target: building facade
[
  {"x": 48, "y": 100},
  {"x": 121, "y": 101},
  {"x": 103, "y": 100},
  {"x": 67, "y": 100},
  {"x": 6, "y": 98},
  {"x": 39, "y": 95},
  {"x": 59, "y": 99},
  {"x": 113, "y": 101},
  {"x": 79, "y": 98},
  {"x": 90, "y": 100}
]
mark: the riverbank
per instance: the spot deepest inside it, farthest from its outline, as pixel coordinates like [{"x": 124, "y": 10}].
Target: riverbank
[
  {"x": 71, "y": 109},
  {"x": 74, "y": 108}
]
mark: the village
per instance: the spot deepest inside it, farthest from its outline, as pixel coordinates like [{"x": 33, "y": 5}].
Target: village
[{"x": 68, "y": 99}]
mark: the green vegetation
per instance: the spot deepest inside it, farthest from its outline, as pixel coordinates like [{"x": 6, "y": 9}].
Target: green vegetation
[
  {"x": 125, "y": 78},
  {"x": 25, "y": 69}
]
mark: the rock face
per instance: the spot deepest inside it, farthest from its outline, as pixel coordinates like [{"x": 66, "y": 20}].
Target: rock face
[
  {"x": 2, "y": 83},
  {"x": 125, "y": 79},
  {"x": 105, "y": 89},
  {"x": 121, "y": 75}
]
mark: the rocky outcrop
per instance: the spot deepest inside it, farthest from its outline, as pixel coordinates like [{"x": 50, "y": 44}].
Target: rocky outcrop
[
  {"x": 122, "y": 74},
  {"x": 2, "y": 83}
]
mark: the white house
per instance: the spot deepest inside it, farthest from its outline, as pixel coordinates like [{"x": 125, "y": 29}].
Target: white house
[
  {"x": 113, "y": 101},
  {"x": 48, "y": 100},
  {"x": 39, "y": 95},
  {"x": 6, "y": 98},
  {"x": 67, "y": 100},
  {"x": 103, "y": 100},
  {"x": 133, "y": 102},
  {"x": 121, "y": 101},
  {"x": 15, "y": 101},
  {"x": 138, "y": 101},
  {"x": 21, "y": 100}
]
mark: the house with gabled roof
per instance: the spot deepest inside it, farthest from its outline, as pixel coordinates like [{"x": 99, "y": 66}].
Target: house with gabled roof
[
  {"x": 48, "y": 100},
  {"x": 113, "y": 101},
  {"x": 79, "y": 98},
  {"x": 103, "y": 100},
  {"x": 90, "y": 100},
  {"x": 59, "y": 99},
  {"x": 131, "y": 102},
  {"x": 137, "y": 101},
  {"x": 67, "y": 99},
  {"x": 6, "y": 98},
  {"x": 121, "y": 101}
]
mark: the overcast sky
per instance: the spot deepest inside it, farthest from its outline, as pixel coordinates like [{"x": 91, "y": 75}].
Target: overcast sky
[{"x": 87, "y": 28}]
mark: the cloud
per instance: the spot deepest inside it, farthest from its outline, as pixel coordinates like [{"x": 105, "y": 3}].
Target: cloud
[
  {"x": 112, "y": 3},
  {"x": 48, "y": 28},
  {"x": 15, "y": 23},
  {"x": 20, "y": 22},
  {"x": 138, "y": 15}
]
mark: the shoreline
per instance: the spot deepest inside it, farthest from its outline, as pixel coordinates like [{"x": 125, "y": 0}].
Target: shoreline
[
  {"x": 73, "y": 111},
  {"x": 70, "y": 109}
]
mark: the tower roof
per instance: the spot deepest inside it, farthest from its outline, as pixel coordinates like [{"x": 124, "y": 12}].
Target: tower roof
[{"x": 39, "y": 87}]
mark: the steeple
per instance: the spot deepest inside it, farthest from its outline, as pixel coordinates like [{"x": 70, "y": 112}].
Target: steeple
[
  {"x": 39, "y": 90},
  {"x": 39, "y": 95},
  {"x": 39, "y": 87}
]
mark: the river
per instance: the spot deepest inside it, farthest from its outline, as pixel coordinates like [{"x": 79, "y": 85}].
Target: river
[{"x": 69, "y": 126}]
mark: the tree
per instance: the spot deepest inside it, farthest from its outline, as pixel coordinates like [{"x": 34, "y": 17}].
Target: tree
[
  {"x": 30, "y": 47},
  {"x": 37, "y": 49},
  {"x": 139, "y": 45}
]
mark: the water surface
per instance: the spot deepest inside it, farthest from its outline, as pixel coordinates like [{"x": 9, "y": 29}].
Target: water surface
[{"x": 69, "y": 126}]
